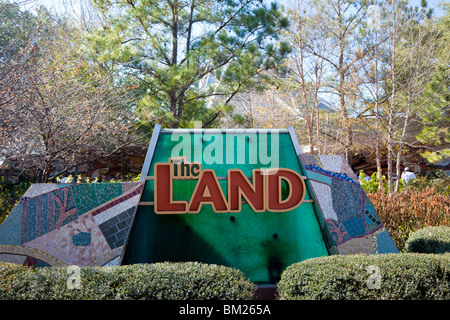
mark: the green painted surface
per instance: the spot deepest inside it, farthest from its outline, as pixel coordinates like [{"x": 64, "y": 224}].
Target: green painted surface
[{"x": 261, "y": 245}]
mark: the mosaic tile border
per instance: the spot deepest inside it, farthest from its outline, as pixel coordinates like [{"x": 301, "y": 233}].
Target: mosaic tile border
[{"x": 337, "y": 175}]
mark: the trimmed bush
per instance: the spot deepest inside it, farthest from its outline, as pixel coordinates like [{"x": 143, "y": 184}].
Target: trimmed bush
[
  {"x": 429, "y": 240},
  {"x": 401, "y": 276},
  {"x": 159, "y": 281}
]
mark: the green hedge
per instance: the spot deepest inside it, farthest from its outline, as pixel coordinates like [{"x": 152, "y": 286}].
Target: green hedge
[
  {"x": 402, "y": 276},
  {"x": 429, "y": 240},
  {"x": 159, "y": 281}
]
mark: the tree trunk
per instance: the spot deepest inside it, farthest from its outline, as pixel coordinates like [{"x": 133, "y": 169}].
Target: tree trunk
[
  {"x": 309, "y": 119},
  {"x": 393, "y": 44},
  {"x": 318, "y": 75},
  {"x": 180, "y": 107},
  {"x": 174, "y": 60},
  {"x": 390, "y": 136},
  {"x": 173, "y": 107},
  {"x": 125, "y": 170},
  {"x": 347, "y": 141},
  {"x": 402, "y": 142},
  {"x": 46, "y": 173},
  {"x": 377, "y": 120}
]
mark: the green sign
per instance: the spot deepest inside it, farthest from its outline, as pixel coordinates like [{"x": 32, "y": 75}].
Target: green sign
[{"x": 207, "y": 170}]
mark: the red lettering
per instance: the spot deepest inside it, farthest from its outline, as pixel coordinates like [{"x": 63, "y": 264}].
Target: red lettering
[
  {"x": 275, "y": 203},
  {"x": 238, "y": 186},
  {"x": 164, "y": 203},
  {"x": 263, "y": 193},
  {"x": 208, "y": 190}
]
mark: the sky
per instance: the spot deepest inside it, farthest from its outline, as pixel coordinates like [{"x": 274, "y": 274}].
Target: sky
[{"x": 59, "y": 4}]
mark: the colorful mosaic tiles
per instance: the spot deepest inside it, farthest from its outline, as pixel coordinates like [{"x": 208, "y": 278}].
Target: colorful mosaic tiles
[
  {"x": 77, "y": 224},
  {"x": 352, "y": 222},
  {"x": 90, "y": 224},
  {"x": 337, "y": 175}
]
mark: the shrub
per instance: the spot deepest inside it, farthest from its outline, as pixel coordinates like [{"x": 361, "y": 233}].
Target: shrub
[
  {"x": 439, "y": 181},
  {"x": 402, "y": 276},
  {"x": 10, "y": 193},
  {"x": 159, "y": 281},
  {"x": 429, "y": 240},
  {"x": 180, "y": 281},
  {"x": 410, "y": 210},
  {"x": 370, "y": 184}
]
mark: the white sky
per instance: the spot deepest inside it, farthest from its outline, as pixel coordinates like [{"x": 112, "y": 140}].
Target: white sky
[{"x": 59, "y": 4}]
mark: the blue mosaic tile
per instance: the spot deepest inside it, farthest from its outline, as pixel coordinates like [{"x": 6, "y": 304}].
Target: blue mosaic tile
[
  {"x": 372, "y": 220},
  {"x": 10, "y": 229},
  {"x": 347, "y": 199},
  {"x": 354, "y": 227},
  {"x": 116, "y": 229},
  {"x": 43, "y": 214},
  {"x": 385, "y": 243},
  {"x": 31, "y": 219},
  {"x": 337, "y": 175},
  {"x": 81, "y": 239},
  {"x": 318, "y": 177},
  {"x": 42, "y": 264}
]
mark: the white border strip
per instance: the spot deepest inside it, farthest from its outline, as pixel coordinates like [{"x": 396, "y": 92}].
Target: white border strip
[
  {"x": 297, "y": 148},
  {"x": 150, "y": 152}
]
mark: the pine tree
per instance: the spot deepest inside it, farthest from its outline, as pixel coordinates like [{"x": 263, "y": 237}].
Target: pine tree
[{"x": 173, "y": 49}]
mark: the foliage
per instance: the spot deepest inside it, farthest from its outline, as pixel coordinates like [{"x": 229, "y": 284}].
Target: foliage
[
  {"x": 371, "y": 184},
  {"x": 60, "y": 109},
  {"x": 79, "y": 179},
  {"x": 16, "y": 29},
  {"x": 410, "y": 210},
  {"x": 437, "y": 180},
  {"x": 429, "y": 240},
  {"x": 440, "y": 183},
  {"x": 405, "y": 276},
  {"x": 159, "y": 281},
  {"x": 435, "y": 115},
  {"x": 171, "y": 51},
  {"x": 10, "y": 193}
]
